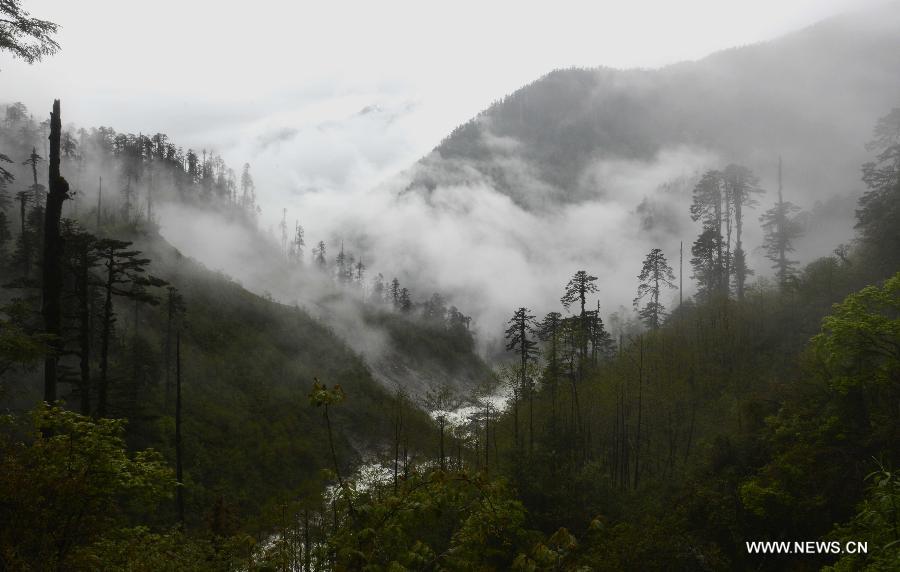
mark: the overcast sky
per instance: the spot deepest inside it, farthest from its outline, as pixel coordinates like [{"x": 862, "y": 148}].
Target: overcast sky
[{"x": 284, "y": 85}]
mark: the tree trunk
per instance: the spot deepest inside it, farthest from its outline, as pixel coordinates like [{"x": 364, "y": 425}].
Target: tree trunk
[
  {"x": 337, "y": 468},
  {"x": 442, "y": 421},
  {"x": 398, "y": 427},
  {"x": 656, "y": 273},
  {"x": 168, "y": 359},
  {"x": 739, "y": 269},
  {"x": 637, "y": 437},
  {"x": 179, "y": 449},
  {"x": 51, "y": 286},
  {"x": 26, "y": 246},
  {"x": 530, "y": 421},
  {"x": 780, "y": 229},
  {"x": 84, "y": 331},
  {"x": 680, "y": 273},
  {"x": 104, "y": 338},
  {"x": 516, "y": 417},
  {"x": 99, "y": 203},
  {"x": 150, "y": 199},
  {"x": 487, "y": 436},
  {"x": 307, "y": 545}
]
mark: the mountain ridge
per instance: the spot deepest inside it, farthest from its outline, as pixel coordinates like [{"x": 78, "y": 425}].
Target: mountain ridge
[{"x": 562, "y": 122}]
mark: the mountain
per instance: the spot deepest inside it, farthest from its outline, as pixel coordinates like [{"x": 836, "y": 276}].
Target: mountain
[{"x": 810, "y": 96}]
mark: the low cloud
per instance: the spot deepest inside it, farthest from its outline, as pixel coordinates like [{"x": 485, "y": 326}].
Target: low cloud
[{"x": 481, "y": 248}]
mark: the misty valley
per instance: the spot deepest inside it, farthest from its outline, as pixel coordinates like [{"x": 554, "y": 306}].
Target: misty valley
[{"x": 623, "y": 318}]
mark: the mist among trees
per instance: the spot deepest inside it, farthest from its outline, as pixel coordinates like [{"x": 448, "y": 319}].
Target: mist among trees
[{"x": 716, "y": 395}]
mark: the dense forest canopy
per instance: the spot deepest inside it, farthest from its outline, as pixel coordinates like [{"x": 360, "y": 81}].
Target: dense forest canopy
[{"x": 740, "y": 410}]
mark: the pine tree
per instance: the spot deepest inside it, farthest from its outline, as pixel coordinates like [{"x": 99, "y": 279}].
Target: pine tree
[
  {"x": 878, "y": 215},
  {"x": 5, "y": 236},
  {"x": 319, "y": 254},
  {"x": 602, "y": 345},
  {"x": 193, "y": 172},
  {"x": 781, "y": 228},
  {"x": 712, "y": 208},
  {"x": 395, "y": 292},
  {"x": 340, "y": 262},
  {"x": 399, "y": 400},
  {"x": 706, "y": 264},
  {"x": 440, "y": 403},
  {"x": 81, "y": 259},
  {"x": 741, "y": 185},
  {"x": 16, "y": 112},
  {"x": 404, "y": 300},
  {"x": 179, "y": 442},
  {"x": 123, "y": 267},
  {"x": 349, "y": 268},
  {"x": 29, "y": 243},
  {"x": 456, "y": 320},
  {"x": 360, "y": 272},
  {"x": 175, "y": 309},
  {"x": 33, "y": 161},
  {"x": 295, "y": 253},
  {"x": 248, "y": 190},
  {"x": 435, "y": 308},
  {"x": 321, "y": 396},
  {"x": 25, "y": 37},
  {"x": 521, "y": 329},
  {"x": 5, "y": 202},
  {"x": 577, "y": 290},
  {"x": 378, "y": 290},
  {"x": 655, "y": 274},
  {"x": 520, "y": 332},
  {"x": 128, "y": 194},
  {"x": 69, "y": 146},
  {"x": 31, "y": 221},
  {"x": 550, "y": 331},
  {"x": 6, "y": 178}
]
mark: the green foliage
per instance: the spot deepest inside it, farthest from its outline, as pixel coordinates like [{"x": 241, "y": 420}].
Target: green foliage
[
  {"x": 139, "y": 549},
  {"x": 744, "y": 430},
  {"x": 248, "y": 367},
  {"x": 860, "y": 341},
  {"x": 68, "y": 483},
  {"x": 434, "y": 520},
  {"x": 23, "y": 36},
  {"x": 655, "y": 273},
  {"x": 18, "y": 347},
  {"x": 878, "y": 216},
  {"x": 321, "y": 395},
  {"x": 444, "y": 349},
  {"x": 877, "y": 523},
  {"x": 844, "y": 412},
  {"x": 781, "y": 227}
]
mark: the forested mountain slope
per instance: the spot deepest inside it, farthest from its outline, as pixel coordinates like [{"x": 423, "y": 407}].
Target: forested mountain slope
[
  {"x": 806, "y": 96},
  {"x": 148, "y": 180},
  {"x": 248, "y": 365}
]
